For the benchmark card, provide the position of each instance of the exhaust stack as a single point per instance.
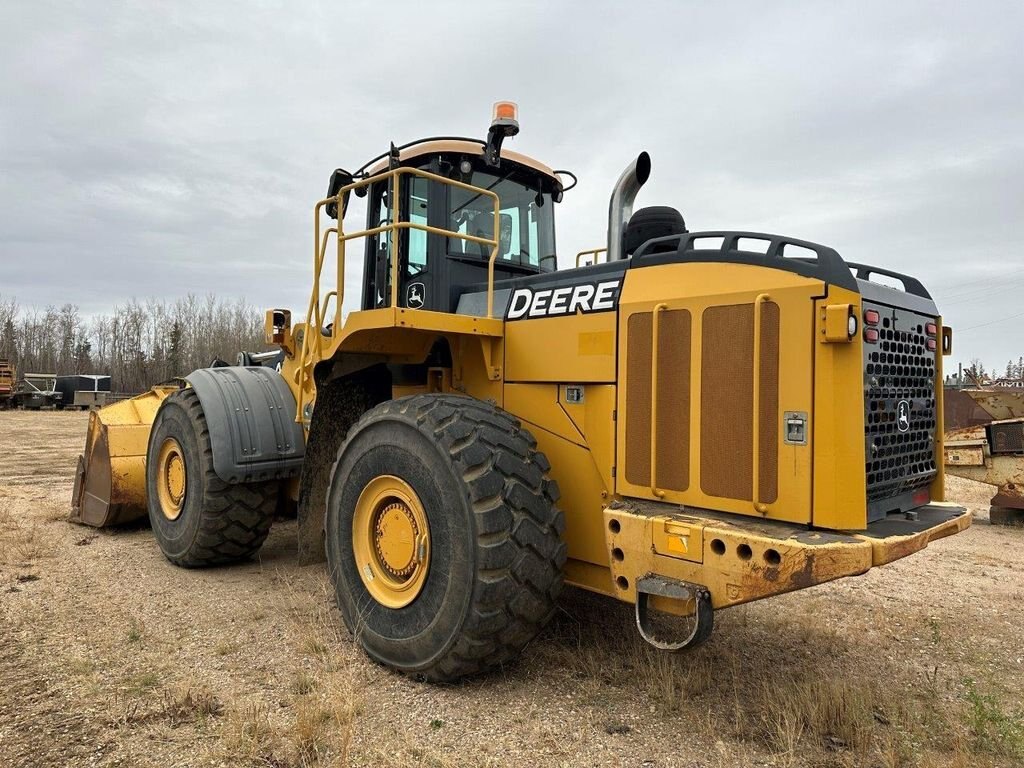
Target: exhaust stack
(620, 207)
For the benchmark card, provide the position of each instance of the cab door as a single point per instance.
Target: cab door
(416, 279)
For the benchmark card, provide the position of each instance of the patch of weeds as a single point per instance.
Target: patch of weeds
(250, 737)
(225, 648)
(933, 625)
(135, 631)
(30, 545)
(996, 730)
(143, 683)
(436, 725)
(316, 646)
(190, 706)
(303, 684)
(177, 708)
(82, 667)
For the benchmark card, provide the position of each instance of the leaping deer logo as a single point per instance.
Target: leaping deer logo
(903, 416)
(414, 298)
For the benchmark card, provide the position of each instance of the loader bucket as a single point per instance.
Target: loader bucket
(110, 483)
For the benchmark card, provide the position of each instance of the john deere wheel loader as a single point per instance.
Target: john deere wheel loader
(700, 420)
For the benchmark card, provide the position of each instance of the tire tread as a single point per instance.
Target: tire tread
(520, 551)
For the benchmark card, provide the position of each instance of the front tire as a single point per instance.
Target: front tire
(198, 519)
(443, 537)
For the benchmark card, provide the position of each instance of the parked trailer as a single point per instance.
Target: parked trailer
(83, 391)
(993, 453)
(35, 391)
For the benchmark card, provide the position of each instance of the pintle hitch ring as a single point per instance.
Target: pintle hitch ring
(703, 615)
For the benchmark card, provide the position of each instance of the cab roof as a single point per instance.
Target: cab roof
(462, 147)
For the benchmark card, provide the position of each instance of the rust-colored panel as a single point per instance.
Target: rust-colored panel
(673, 455)
(638, 398)
(726, 406)
(768, 419)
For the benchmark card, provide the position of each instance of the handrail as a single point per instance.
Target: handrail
(312, 351)
(593, 252)
(326, 304)
(655, 331)
(760, 507)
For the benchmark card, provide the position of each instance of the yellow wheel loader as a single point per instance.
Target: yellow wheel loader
(699, 420)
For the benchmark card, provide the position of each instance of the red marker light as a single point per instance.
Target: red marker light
(870, 335)
(922, 497)
(931, 329)
(931, 345)
(871, 317)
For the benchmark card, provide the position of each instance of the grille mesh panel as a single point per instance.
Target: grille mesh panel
(899, 374)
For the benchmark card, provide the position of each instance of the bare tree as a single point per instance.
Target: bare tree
(138, 344)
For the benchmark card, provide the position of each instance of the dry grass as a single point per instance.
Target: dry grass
(315, 726)
(23, 543)
(823, 710)
(186, 705)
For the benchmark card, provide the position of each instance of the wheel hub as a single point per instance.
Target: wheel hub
(171, 478)
(391, 541)
(395, 539)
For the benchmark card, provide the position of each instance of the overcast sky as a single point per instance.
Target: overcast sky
(158, 149)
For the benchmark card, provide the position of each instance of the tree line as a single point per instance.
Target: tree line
(976, 374)
(139, 344)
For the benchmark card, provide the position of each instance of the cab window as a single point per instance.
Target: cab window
(526, 220)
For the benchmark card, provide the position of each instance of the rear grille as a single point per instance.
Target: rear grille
(899, 423)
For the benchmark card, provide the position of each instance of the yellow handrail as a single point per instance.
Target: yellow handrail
(326, 304)
(312, 352)
(756, 490)
(595, 252)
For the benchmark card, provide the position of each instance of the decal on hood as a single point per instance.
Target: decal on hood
(583, 298)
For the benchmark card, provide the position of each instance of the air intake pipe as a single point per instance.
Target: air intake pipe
(620, 207)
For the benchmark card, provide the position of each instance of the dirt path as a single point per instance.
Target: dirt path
(109, 656)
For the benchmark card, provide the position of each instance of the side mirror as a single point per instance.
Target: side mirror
(277, 330)
(340, 178)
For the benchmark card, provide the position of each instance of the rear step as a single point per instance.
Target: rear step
(703, 618)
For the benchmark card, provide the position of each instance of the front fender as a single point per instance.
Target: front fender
(250, 412)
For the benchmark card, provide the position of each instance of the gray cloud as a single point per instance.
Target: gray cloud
(150, 150)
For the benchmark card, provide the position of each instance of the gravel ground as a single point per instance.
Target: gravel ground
(110, 656)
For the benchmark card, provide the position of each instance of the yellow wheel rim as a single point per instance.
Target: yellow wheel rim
(391, 541)
(170, 478)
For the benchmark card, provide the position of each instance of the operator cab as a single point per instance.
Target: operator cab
(435, 268)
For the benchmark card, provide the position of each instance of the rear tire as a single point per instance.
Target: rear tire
(197, 518)
(495, 562)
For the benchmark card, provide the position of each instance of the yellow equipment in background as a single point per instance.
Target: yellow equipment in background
(699, 420)
(7, 379)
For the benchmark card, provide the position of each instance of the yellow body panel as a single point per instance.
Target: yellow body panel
(562, 349)
(696, 288)
(580, 454)
(840, 484)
